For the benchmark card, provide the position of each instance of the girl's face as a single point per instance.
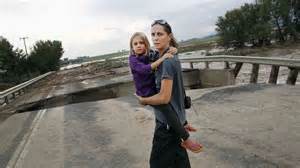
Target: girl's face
(138, 45)
(160, 37)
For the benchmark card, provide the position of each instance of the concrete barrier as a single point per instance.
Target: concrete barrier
(191, 78)
(216, 77)
(205, 78)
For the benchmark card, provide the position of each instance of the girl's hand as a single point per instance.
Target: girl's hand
(189, 128)
(167, 55)
(172, 50)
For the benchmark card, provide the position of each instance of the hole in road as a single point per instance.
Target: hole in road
(93, 94)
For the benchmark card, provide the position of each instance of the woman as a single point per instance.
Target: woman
(143, 61)
(168, 150)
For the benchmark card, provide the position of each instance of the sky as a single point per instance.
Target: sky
(94, 27)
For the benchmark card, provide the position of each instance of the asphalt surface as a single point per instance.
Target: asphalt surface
(243, 126)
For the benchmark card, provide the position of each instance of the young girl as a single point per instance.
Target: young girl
(142, 63)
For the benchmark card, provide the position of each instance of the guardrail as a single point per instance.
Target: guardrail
(292, 64)
(4, 95)
(276, 63)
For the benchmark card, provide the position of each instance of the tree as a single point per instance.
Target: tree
(11, 62)
(296, 8)
(247, 24)
(46, 55)
(260, 22)
(6, 54)
(257, 27)
(15, 67)
(231, 28)
(285, 17)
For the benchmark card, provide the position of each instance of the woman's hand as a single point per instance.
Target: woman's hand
(140, 99)
(189, 128)
(172, 50)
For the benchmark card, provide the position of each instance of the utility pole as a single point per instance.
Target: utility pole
(24, 38)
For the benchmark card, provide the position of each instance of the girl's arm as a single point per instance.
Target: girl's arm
(155, 64)
(169, 54)
(172, 50)
(139, 67)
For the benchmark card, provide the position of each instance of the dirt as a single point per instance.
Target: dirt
(291, 51)
(42, 88)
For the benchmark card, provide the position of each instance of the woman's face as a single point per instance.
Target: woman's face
(138, 45)
(160, 37)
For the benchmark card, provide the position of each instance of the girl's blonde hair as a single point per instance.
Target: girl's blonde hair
(144, 38)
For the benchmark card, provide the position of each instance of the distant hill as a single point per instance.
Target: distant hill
(203, 43)
(184, 46)
(199, 41)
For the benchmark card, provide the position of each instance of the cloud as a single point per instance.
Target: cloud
(93, 27)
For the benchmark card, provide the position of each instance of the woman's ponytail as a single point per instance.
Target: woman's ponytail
(173, 41)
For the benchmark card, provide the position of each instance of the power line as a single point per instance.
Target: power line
(24, 38)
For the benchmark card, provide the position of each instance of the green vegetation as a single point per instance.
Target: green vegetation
(11, 62)
(17, 67)
(204, 43)
(45, 56)
(259, 23)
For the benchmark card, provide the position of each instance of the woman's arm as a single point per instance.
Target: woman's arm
(163, 97)
(162, 100)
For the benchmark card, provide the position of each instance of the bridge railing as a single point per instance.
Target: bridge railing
(11, 93)
(276, 63)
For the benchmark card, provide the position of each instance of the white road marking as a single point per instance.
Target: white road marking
(22, 148)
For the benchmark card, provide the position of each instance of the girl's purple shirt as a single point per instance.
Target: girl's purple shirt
(143, 76)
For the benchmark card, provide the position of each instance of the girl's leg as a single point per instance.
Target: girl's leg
(181, 158)
(173, 121)
(160, 156)
(166, 150)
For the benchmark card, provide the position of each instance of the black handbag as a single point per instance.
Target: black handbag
(187, 99)
(187, 102)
